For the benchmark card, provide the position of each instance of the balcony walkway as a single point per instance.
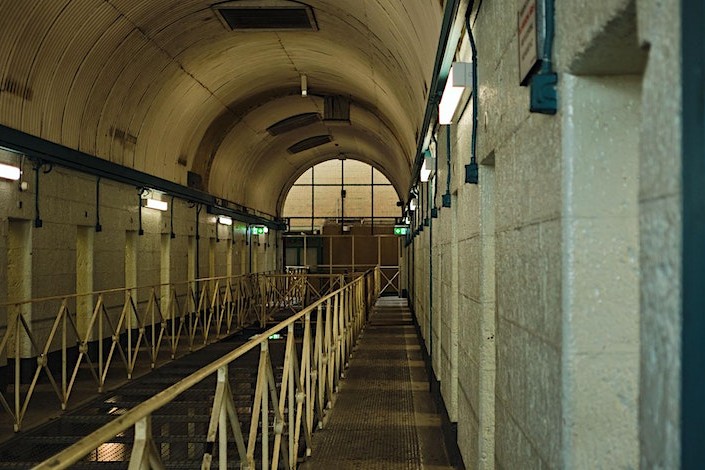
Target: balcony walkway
(384, 416)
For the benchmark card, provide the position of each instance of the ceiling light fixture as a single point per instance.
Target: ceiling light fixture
(9, 172)
(155, 204)
(459, 78)
(304, 85)
(426, 169)
(223, 220)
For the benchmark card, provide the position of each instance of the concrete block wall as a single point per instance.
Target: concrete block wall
(660, 233)
(567, 266)
(67, 202)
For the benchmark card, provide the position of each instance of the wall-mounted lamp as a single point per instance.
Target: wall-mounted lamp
(9, 172)
(413, 204)
(304, 85)
(426, 169)
(459, 78)
(223, 220)
(150, 203)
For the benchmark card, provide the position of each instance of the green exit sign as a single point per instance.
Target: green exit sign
(401, 230)
(259, 230)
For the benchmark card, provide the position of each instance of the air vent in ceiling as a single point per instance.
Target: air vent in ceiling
(267, 15)
(294, 122)
(336, 108)
(310, 143)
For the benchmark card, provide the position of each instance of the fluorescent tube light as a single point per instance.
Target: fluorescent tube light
(223, 220)
(426, 169)
(9, 172)
(459, 78)
(155, 204)
(425, 173)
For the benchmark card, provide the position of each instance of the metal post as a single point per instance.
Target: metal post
(223, 424)
(291, 398)
(265, 412)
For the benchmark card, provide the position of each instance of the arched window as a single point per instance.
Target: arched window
(341, 192)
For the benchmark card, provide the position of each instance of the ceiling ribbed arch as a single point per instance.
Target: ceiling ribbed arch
(249, 155)
(164, 87)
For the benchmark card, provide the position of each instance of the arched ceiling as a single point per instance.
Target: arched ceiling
(164, 87)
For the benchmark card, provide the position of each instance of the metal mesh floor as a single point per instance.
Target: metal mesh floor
(381, 418)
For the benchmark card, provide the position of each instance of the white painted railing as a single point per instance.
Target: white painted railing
(90, 336)
(299, 403)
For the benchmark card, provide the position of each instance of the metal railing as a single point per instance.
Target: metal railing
(309, 382)
(113, 332)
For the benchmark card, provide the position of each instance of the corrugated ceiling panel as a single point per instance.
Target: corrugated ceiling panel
(88, 24)
(88, 82)
(17, 88)
(40, 76)
(103, 108)
(79, 72)
(141, 86)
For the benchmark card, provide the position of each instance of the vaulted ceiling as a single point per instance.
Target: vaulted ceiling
(168, 87)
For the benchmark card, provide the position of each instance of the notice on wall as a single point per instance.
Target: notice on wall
(528, 40)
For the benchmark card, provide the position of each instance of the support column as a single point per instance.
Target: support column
(131, 261)
(229, 258)
(19, 279)
(192, 260)
(165, 272)
(488, 353)
(211, 256)
(85, 236)
(600, 291)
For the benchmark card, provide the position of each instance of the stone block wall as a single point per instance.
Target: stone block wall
(566, 251)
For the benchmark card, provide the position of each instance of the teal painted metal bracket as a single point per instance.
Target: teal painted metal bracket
(544, 96)
(472, 172)
(446, 200)
(544, 92)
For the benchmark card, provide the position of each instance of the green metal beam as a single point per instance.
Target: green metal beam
(40, 149)
(693, 281)
(451, 30)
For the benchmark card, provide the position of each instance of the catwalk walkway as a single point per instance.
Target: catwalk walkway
(384, 417)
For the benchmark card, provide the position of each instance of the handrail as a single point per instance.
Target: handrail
(146, 324)
(123, 289)
(346, 311)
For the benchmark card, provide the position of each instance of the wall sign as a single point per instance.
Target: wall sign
(528, 39)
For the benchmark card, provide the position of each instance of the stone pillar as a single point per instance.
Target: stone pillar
(600, 292)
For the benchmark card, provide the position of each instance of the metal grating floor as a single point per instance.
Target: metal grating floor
(384, 416)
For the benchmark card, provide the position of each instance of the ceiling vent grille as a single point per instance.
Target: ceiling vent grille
(267, 16)
(294, 122)
(336, 108)
(311, 142)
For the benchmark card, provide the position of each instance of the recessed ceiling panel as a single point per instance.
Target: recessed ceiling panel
(311, 142)
(268, 16)
(294, 122)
